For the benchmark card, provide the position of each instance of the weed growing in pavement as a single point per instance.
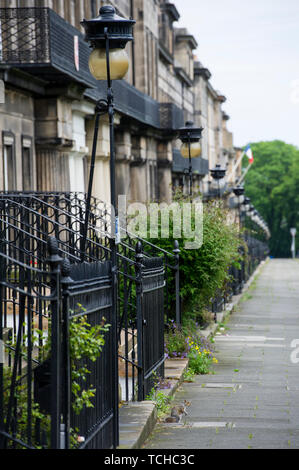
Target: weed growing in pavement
(161, 400)
(188, 375)
(200, 360)
(184, 343)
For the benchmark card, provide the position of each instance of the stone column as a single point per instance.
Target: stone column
(52, 165)
(123, 157)
(101, 180)
(53, 133)
(138, 171)
(78, 178)
(165, 171)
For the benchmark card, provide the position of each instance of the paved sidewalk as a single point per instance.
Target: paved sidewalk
(138, 419)
(252, 400)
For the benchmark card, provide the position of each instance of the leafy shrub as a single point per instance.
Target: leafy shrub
(204, 271)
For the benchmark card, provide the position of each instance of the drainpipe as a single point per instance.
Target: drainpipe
(133, 45)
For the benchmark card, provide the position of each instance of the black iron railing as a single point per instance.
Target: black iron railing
(87, 292)
(171, 117)
(256, 252)
(215, 193)
(38, 305)
(42, 294)
(137, 316)
(147, 278)
(43, 44)
(28, 294)
(200, 165)
(24, 36)
(150, 320)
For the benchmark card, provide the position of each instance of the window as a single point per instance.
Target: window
(9, 177)
(27, 163)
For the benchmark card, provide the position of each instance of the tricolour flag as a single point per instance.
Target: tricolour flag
(248, 153)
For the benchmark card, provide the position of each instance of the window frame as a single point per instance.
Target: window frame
(26, 141)
(8, 140)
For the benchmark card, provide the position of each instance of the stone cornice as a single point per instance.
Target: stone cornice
(182, 74)
(181, 34)
(138, 161)
(171, 10)
(221, 98)
(165, 54)
(54, 142)
(201, 71)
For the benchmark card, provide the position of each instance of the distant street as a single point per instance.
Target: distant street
(252, 400)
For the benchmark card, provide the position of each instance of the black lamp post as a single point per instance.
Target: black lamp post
(218, 173)
(108, 35)
(190, 137)
(246, 206)
(239, 191)
(246, 203)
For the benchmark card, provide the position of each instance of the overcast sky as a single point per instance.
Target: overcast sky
(251, 47)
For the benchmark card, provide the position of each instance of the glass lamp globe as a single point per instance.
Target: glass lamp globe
(190, 135)
(195, 150)
(111, 31)
(118, 60)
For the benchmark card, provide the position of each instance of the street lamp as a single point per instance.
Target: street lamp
(246, 203)
(293, 233)
(107, 35)
(239, 191)
(245, 206)
(217, 174)
(190, 137)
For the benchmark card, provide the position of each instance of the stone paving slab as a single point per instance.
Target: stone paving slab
(263, 413)
(136, 427)
(137, 419)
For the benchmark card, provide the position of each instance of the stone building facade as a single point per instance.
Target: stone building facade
(47, 119)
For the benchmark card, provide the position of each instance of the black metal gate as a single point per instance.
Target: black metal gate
(37, 311)
(151, 330)
(39, 305)
(143, 306)
(87, 292)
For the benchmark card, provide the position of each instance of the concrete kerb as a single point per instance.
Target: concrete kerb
(138, 419)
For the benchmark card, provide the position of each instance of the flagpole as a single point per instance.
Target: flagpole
(236, 166)
(245, 173)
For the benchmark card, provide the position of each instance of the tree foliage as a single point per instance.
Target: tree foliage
(272, 185)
